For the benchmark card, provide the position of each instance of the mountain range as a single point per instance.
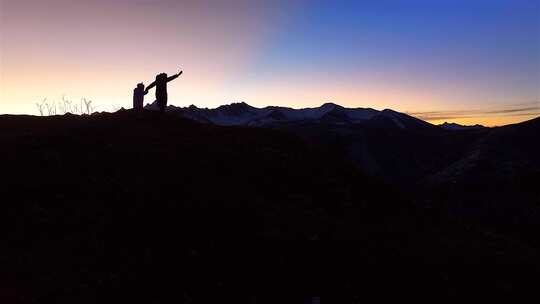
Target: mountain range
(457, 127)
(458, 165)
(390, 145)
(395, 147)
(242, 114)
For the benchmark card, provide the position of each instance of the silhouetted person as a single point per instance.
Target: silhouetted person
(161, 89)
(138, 97)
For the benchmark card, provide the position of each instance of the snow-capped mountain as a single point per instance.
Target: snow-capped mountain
(329, 113)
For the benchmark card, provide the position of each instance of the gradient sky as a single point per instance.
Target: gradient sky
(466, 61)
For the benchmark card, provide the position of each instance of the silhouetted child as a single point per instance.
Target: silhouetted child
(161, 89)
(138, 97)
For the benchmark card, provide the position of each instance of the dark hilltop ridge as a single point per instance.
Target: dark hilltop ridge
(457, 127)
(157, 208)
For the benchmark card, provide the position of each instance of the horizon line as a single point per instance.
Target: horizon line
(428, 116)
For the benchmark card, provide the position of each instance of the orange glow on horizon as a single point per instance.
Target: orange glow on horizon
(486, 121)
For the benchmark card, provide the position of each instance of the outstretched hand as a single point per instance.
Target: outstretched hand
(180, 73)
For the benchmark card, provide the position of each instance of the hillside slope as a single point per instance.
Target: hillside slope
(494, 183)
(154, 209)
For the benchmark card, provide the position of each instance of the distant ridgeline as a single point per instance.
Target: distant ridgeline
(329, 113)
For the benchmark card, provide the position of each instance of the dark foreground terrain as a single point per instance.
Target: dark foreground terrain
(136, 207)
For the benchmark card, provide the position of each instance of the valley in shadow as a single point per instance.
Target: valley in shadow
(154, 208)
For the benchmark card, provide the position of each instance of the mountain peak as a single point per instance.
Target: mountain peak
(329, 105)
(455, 126)
(236, 108)
(389, 111)
(238, 105)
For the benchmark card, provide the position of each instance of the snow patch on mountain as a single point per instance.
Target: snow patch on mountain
(238, 114)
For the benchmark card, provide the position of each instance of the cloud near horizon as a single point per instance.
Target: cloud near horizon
(528, 109)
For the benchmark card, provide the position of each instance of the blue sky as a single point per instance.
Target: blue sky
(488, 49)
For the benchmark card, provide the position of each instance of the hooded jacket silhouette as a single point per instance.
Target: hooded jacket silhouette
(161, 89)
(138, 97)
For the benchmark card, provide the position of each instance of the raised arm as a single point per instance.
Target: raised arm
(173, 77)
(153, 84)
